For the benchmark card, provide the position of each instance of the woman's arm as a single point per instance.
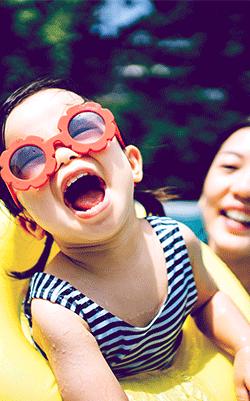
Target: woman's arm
(219, 318)
(222, 321)
(80, 369)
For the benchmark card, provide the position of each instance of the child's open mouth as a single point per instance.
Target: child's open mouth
(84, 192)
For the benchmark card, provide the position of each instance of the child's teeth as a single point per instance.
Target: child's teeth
(75, 179)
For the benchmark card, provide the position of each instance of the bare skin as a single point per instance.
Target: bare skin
(111, 256)
(225, 202)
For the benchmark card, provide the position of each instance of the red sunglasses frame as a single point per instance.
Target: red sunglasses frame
(48, 147)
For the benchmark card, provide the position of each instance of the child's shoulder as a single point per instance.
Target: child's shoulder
(163, 221)
(172, 231)
(170, 226)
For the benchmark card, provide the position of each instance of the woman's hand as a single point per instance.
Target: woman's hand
(242, 373)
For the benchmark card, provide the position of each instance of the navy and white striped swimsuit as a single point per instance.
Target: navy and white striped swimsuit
(127, 349)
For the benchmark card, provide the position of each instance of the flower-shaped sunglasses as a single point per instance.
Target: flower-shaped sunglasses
(29, 162)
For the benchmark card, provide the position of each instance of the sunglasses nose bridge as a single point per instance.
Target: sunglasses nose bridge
(59, 141)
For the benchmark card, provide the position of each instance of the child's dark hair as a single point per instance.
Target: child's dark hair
(149, 199)
(12, 101)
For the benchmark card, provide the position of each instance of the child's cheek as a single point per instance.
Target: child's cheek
(35, 200)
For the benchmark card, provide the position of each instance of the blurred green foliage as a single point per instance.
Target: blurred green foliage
(175, 76)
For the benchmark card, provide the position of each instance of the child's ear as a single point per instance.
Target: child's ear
(135, 159)
(30, 226)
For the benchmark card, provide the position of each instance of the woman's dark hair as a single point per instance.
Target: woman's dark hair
(151, 200)
(221, 138)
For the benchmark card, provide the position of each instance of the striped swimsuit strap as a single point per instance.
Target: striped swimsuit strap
(129, 349)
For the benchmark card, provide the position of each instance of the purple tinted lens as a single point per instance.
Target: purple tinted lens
(86, 127)
(27, 162)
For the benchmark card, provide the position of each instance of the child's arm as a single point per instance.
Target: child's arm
(219, 318)
(76, 360)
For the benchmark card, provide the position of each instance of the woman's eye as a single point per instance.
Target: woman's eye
(231, 167)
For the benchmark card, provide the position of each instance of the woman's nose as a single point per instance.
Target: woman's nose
(65, 155)
(241, 187)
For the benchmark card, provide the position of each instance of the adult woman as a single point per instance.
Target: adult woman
(66, 179)
(225, 201)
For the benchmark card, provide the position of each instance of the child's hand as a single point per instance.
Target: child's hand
(242, 373)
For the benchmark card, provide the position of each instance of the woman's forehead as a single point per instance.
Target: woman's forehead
(239, 139)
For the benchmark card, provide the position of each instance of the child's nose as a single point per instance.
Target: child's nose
(65, 155)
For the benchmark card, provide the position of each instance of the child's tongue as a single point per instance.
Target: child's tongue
(89, 199)
(85, 193)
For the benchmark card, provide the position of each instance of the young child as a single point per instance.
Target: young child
(113, 301)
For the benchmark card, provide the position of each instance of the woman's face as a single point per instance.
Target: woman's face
(225, 200)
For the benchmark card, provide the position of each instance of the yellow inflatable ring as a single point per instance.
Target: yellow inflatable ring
(200, 370)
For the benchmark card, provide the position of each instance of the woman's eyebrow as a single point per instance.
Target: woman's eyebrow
(230, 152)
(233, 153)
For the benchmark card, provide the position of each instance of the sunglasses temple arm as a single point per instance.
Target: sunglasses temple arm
(118, 136)
(13, 194)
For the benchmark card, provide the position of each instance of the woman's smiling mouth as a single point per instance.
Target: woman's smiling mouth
(237, 216)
